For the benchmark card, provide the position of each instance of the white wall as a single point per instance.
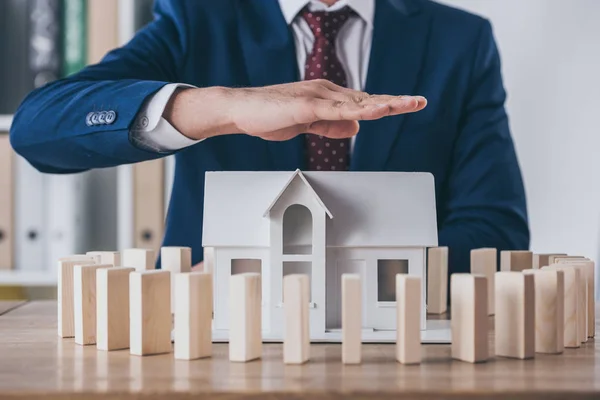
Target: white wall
(550, 51)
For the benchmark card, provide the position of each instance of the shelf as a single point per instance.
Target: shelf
(27, 278)
(5, 121)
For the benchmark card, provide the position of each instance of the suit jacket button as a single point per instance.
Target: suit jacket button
(88, 119)
(111, 117)
(102, 118)
(95, 119)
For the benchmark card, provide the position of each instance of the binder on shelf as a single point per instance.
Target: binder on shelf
(148, 204)
(66, 217)
(45, 50)
(14, 46)
(30, 232)
(74, 35)
(6, 202)
(103, 28)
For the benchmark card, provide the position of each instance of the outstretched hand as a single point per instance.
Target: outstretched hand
(281, 112)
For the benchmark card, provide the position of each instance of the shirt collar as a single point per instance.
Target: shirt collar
(364, 8)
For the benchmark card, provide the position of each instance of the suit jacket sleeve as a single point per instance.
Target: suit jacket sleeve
(49, 128)
(486, 206)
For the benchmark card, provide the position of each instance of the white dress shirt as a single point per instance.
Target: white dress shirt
(152, 132)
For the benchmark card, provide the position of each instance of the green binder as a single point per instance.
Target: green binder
(74, 36)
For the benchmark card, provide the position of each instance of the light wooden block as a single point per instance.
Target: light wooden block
(408, 308)
(209, 259)
(245, 337)
(65, 296)
(112, 308)
(571, 304)
(552, 259)
(469, 319)
(296, 339)
(516, 260)
(107, 257)
(140, 259)
(150, 312)
(176, 260)
(582, 299)
(351, 319)
(549, 310)
(590, 277)
(485, 262)
(515, 315)
(543, 260)
(193, 315)
(84, 301)
(437, 280)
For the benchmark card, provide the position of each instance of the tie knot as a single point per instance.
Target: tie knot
(326, 24)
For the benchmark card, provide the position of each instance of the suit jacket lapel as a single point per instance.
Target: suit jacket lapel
(400, 36)
(270, 57)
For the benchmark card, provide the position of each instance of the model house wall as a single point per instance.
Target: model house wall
(322, 224)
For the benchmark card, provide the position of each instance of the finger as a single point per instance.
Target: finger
(334, 129)
(341, 93)
(399, 104)
(329, 110)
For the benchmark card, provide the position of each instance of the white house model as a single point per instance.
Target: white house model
(323, 224)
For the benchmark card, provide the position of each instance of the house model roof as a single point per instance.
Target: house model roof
(365, 209)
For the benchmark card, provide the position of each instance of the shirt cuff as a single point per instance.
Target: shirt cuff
(150, 131)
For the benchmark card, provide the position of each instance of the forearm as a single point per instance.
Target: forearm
(200, 113)
(51, 129)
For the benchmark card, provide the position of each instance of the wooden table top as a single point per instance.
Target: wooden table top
(35, 362)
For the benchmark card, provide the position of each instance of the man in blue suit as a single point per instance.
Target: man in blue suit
(197, 82)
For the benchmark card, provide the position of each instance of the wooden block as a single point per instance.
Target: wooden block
(150, 312)
(140, 259)
(84, 300)
(582, 299)
(65, 296)
(516, 260)
(437, 280)
(571, 304)
(176, 260)
(351, 319)
(296, 339)
(582, 318)
(485, 262)
(209, 259)
(245, 336)
(543, 260)
(552, 258)
(515, 315)
(193, 315)
(107, 257)
(590, 277)
(408, 307)
(112, 308)
(469, 320)
(549, 310)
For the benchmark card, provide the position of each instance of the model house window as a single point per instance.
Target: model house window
(297, 230)
(299, 267)
(386, 278)
(241, 266)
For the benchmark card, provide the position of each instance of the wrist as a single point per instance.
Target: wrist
(200, 113)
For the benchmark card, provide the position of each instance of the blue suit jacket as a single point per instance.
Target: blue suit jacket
(419, 47)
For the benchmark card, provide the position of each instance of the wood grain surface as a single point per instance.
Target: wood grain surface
(35, 363)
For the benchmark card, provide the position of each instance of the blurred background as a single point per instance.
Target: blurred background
(550, 51)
